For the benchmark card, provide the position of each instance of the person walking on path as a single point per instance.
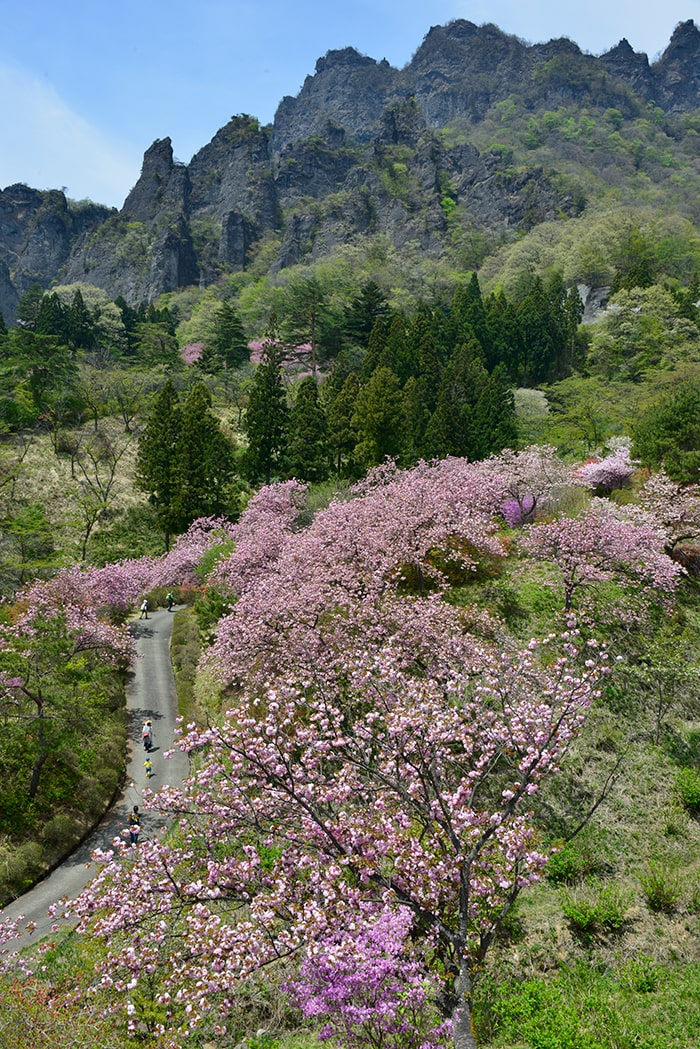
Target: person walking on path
(144, 609)
(171, 601)
(134, 827)
(148, 765)
(147, 736)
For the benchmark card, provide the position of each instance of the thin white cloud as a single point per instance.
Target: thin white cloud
(49, 146)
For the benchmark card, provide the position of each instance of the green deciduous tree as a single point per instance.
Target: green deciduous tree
(56, 690)
(668, 435)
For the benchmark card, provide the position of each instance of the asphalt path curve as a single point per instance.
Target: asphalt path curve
(150, 694)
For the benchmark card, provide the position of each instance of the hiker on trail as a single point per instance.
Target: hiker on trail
(171, 601)
(134, 828)
(149, 768)
(144, 609)
(147, 735)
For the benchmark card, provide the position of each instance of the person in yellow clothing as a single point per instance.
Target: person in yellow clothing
(148, 765)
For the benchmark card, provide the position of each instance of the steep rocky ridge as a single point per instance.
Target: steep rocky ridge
(38, 232)
(361, 151)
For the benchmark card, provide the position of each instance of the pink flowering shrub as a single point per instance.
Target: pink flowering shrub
(369, 989)
(609, 474)
(531, 480)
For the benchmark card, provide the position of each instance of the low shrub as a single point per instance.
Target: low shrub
(59, 831)
(688, 789)
(596, 910)
(641, 974)
(662, 888)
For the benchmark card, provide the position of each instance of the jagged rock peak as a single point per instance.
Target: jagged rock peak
(684, 43)
(679, 67)
(346, 56)
(162, 181)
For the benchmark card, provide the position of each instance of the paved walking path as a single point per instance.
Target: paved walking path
(150, 694)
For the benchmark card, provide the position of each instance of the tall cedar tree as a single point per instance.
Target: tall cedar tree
(305, 310)
(309, 451)
(362, 312)
(229, 347)
(205, 465)
(379, 419)
(342, 434)
(157, 469)
(473, 409)
(470, 318)
(267, 418)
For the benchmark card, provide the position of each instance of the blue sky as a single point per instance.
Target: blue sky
(86, 86)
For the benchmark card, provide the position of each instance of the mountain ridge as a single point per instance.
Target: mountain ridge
(363, 150)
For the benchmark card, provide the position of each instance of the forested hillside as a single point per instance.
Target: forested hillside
(401, 398)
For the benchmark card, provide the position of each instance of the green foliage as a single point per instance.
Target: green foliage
(267, 419)
(687, 787)
(662, 887)
(668, 434)
(578, 859)
(308, 453)
(157, 466)
(596, 909)
(185, 649)
(133, 531)
(641, 1003)
(204, 470)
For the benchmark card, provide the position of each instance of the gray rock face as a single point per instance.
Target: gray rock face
(360, 151)
(37, 232)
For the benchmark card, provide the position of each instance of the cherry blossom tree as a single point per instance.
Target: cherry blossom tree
(675, 508)
(376, 757)
(531, 479)
(320, 797)
(602, 545)
(610, 473)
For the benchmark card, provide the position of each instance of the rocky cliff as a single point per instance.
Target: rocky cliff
(363, 150)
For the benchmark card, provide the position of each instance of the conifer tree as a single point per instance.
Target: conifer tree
(309, 451)
(157, 467)
(80, 322)
(364, 310)
(267, 418)
(342, 434)
(461, 423)
(229, 347)
(379, 419)
(205, 462)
